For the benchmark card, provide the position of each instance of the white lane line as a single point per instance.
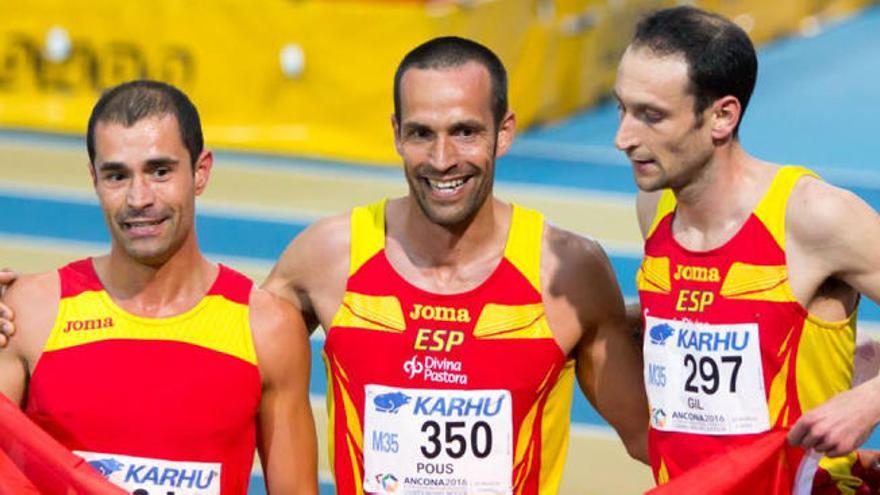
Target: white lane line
(592, 154)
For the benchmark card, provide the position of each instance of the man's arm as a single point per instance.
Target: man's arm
(286, 440)
(34, 300)
(13, 373)
(7, 317)
(839, 233)
(312, 271)
(584, 291)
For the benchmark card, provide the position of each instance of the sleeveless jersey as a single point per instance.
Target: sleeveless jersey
(730, 354)
(453, 394)
(158, 406)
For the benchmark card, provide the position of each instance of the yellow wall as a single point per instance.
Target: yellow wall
(561, 56)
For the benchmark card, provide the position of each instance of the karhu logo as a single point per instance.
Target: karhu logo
(106, 466)
(91, 324)
(439, 313)
(659, 333)
(390, 402)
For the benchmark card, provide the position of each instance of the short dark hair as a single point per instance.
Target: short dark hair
(720, 56)
(449, 52)
(133, 101)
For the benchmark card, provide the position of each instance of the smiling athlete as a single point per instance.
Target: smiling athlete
(159, 367)
(457, 323)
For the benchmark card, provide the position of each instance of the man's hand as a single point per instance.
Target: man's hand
(7, 328)
(842, 424)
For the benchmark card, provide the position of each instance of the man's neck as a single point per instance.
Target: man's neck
(714, 205)
(447, 255)
(167, 289)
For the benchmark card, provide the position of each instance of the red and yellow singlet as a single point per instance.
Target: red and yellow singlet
(730, 354)
(429, 393)
(158, 406)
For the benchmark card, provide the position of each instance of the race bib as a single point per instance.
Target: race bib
(437, 441)
(704, 378)
(143, 476)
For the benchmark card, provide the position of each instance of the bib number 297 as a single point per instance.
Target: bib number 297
(705, 373)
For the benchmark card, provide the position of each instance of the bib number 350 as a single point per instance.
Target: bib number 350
(455, 439)
(704, 374)
(437, 441)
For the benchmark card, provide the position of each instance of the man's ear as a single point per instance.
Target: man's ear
(202, 170)
(724, 117)
(506, 133)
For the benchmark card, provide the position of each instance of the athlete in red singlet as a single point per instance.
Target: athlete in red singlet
(481, 366)
(457, 322)
(163, 370)
(730, 354)
(751, 275)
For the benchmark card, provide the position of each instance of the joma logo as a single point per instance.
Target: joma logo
(92, 324)
(439, 313)
(697, 273)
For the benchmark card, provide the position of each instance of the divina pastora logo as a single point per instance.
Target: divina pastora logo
(391, 402)
(659, 333)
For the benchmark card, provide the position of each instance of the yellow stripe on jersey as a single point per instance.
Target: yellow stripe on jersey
(554, 429)
(355, 475)
(662, 473)
(825, 360)
(778, 396)
(524, 438)
(92, 316)
(771, 209)
(784, 347)
(526, 442)
(382, 313)
(653, 276)
(523, 241)
(524, 468)
(665, 206)
(331, 410)
(527, 321)
(352, 420)
(353, 431)
(757, 282)
(840, 469)
(367, 234)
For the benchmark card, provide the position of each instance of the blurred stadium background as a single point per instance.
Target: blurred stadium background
(296, 95)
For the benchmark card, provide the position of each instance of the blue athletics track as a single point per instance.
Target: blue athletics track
(815, 105)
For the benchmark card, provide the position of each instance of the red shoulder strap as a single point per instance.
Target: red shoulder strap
(232, 285)
(78, 277)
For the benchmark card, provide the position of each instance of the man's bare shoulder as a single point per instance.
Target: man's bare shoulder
(325, 239)
(579, 288)
(277, 329)
(575, 266)
(565, 248)
(34, 300)
(42, 285)
(819, 213)
(317, 249)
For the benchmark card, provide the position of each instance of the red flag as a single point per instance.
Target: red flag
(12, 480)
(764, 467)
(31, 461)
